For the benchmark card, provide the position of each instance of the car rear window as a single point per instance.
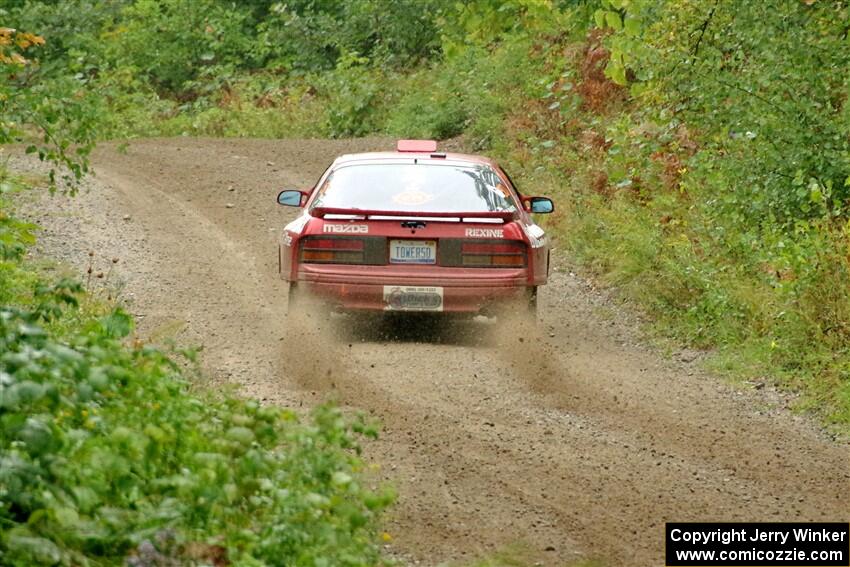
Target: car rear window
(415, 187)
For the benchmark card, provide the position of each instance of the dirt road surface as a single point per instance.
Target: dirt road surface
(576, 442)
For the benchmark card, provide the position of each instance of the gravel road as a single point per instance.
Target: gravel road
(574, 441)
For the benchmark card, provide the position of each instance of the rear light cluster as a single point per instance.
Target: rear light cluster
(477, 254)
(333, 250)
(482, 253)
(344, 250)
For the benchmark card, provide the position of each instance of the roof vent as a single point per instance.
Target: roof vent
(419, 146)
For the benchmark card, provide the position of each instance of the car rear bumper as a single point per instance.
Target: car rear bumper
(463, 290)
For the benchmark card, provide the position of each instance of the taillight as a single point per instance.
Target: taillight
(333, 250)
(492, 254)
(366, 250)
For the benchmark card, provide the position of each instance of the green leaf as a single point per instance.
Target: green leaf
(632, 26)
(37, 549)
(155, 433)
(599, 18)
(241, 435)
(340, 478)
(616, 72)
(66, 517)
(118, 324)
(613, 20)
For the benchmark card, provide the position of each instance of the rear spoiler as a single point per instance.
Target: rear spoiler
(321, 212)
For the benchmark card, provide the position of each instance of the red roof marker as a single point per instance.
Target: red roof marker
(423, 146)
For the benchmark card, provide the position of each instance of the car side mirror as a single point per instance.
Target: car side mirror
(540, 205)
(291, 198)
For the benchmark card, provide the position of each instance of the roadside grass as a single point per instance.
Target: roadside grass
(108, 455)
(754, 324)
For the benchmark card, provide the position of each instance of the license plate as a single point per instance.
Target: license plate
(413, 252)
(413, 298)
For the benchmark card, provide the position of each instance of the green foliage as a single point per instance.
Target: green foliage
(52, 114)
(351, 92)
(106, 457)
(471, 93)
(309, 35)
(739, 143)
(485, 22)
(172, 43)
(15, 235)
(180, 67)
(428, 112)
(763, 82)
(71, 29)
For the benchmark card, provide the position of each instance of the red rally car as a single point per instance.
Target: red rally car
(415, 230)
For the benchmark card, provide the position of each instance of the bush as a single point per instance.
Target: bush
(763, 82)
(306, 36)
(428, 108)
(107, 456)
(104, 449)
(352, 98)
(51, 114)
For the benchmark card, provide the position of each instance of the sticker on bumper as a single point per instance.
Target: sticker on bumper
(413, 298)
